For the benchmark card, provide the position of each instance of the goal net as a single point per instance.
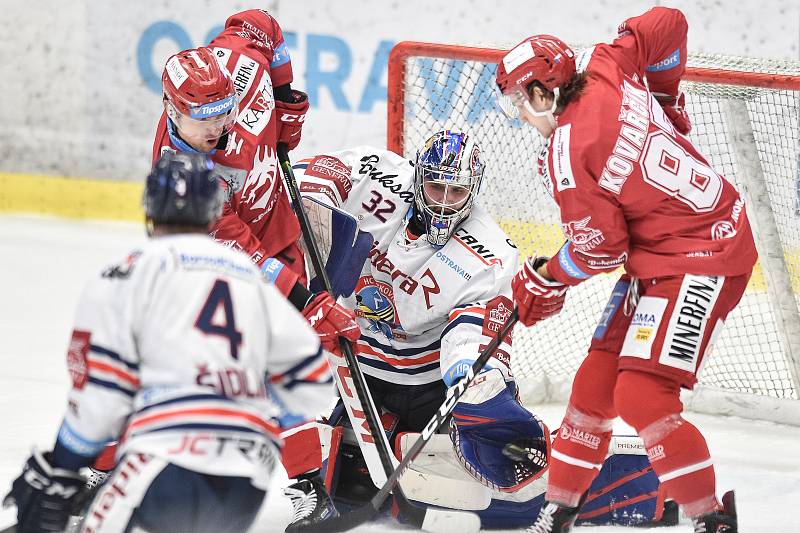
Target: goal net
(745, 115)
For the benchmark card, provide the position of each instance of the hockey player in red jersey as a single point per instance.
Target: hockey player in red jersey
(233, 101)
(633, 191)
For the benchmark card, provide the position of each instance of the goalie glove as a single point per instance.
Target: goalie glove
(291, 116)
(331, 321)
(44, 495)
(536, 298)
(499, 442)
(674, 108)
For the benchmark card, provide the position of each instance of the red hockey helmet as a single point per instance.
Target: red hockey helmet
(199, 91)
(541, 58)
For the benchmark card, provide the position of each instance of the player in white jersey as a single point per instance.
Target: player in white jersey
(185, 355)
(432, 294)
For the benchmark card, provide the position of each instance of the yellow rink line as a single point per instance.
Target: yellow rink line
(71, 197)
(121, 200)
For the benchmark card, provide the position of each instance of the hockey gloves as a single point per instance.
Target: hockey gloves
(536, 298)
(331, 321)
(291, 116)
(44, 495)
(499, 442)
(673, 107)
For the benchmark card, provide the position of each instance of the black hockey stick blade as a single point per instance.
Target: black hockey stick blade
(418, 516)
(435, 519)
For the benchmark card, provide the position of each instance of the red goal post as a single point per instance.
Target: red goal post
(746, 117)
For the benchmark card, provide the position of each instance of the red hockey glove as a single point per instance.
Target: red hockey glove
(291, 116)
(331, 321)
(536, 298)
(673, 107)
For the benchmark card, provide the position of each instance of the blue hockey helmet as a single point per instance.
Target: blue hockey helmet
(448, 173)
(182, 190)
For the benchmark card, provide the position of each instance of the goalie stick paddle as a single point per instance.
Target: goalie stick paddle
(419, 517)
(368, 511)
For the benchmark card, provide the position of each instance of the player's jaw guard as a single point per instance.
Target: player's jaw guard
(181, 190)
(448, 174)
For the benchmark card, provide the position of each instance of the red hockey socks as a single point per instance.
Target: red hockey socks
(582, 442)
(677, 451)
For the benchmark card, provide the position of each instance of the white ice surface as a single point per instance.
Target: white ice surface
(44, 263)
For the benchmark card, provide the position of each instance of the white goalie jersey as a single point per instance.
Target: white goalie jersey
(183, 352)
(425, 312)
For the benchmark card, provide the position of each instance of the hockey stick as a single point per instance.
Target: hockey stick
(420, 517)
(368, 511)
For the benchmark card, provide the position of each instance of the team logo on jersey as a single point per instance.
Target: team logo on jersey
(258, 189)
(124, 269)
(77, 358)
(722, 230)
(375, 302)
(582, 237)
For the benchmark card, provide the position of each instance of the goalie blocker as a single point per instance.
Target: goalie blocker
(625, 493)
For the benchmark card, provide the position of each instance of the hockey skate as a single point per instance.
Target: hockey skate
(310, 502)
(554, 518)
(720, 521)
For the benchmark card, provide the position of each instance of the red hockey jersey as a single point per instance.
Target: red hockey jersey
(258, 217)
(631, 189)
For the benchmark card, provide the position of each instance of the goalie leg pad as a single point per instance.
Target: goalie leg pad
(312, 446)
(498, 441)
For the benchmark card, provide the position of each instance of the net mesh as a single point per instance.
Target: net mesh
(748, 357)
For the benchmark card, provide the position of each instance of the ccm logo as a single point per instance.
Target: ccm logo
(289, 117)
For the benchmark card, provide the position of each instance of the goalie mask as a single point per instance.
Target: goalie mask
(448, 172)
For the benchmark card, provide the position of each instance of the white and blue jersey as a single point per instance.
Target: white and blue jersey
(182, 351)
(425, 312)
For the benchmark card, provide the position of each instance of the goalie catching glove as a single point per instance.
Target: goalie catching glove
(291, 116)
(331, 321)
(499, 442)
(44, 495)
(536, 298)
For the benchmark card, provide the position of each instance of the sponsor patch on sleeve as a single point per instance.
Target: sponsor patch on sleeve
(332, 169)
(497, 312)
(671, 61)
(77, 358)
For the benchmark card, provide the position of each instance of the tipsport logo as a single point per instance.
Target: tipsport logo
(213, 108)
